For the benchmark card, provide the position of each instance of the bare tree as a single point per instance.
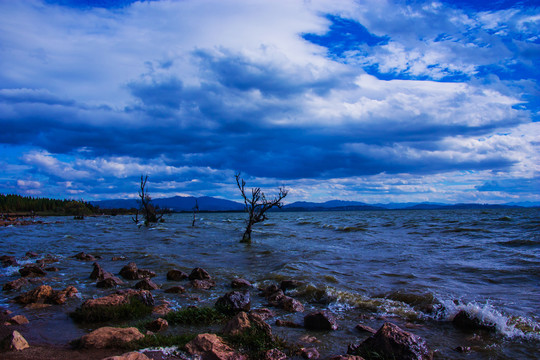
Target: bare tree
(195, 211)
(150, 213)
(257, 205)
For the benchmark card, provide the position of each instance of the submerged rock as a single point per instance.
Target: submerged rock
(7, 260)
(32, 270)
(320, 320)
(132, 272)
(176, 275)
(391, 341)
(290, 284)
(107, 337)
(176, 290)
(15, 284)
(240, 283)
(467, 322)
(84, 256)
(109, 282)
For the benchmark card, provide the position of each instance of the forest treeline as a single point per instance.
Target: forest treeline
(10, 204)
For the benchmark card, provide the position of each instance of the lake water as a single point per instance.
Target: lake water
(414, 268)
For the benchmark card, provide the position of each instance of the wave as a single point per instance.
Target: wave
(520, 243)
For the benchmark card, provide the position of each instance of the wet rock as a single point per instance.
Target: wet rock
(14, 342)
(36, 306)
(146, 284)
(52, 269)
(157, 325)
(269, 290)
(308, 339)
(107, 337)
(161, 310)
(292, 305)
(290, 284)
(32, 270)
(145, 273)
(464, 321)
(109, 282)
(275, 354)
(176, 275)
(49, 259)
(176, 290)
(134, 355)
(275, 298)
(15, 284)
(203, 284)
(211, 346)
(84, 256)
(234, 302)
(463, 349)
(7, 260)
(199, 274)
(309, 353)
(320, 320)
(120, 298)
(279, 299)
(263, 313)
(240, 283)
(38, 295)
(98, 273)
(31, 254)
(347, 357)
(365, 328)
(19, 320)
(60, 297)
(287, 323)
(130, 271)
(393, 342)
(238, 324)
(118, 258)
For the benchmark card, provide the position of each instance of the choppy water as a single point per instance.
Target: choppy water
(414, 268)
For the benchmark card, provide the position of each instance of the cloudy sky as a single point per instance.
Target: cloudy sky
(367, 100)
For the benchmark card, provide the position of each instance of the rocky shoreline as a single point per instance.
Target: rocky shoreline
(233, 329)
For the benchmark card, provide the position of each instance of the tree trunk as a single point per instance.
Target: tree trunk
(247, 235)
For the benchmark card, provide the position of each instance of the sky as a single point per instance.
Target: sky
(371, 100)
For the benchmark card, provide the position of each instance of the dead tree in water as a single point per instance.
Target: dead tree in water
(149, 212)
(257, 205)
(195, 211)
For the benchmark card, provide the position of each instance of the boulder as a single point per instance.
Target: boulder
(146, 284)
(234, 302)
(464, 321)
(107, 337)
(32, 270)
(109, 282)
(240, 283)
(212, 347)
(157, 325)
(275, 354)
(14, 342)
(176, 275)
(98, 273)
(19, 320)
(176, 290)
(393, 342)
(60, 297)
(309, 353)
(161, 310)
(84, 256)
(238, 324)
(292, 305)
(203, 284)
(130, 271)
(38, 295)
(15, 284)
(320, 320)
(199, 274)
(120, 298)
(134, 355)
(7, 260)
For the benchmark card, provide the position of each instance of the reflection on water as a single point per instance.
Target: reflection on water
(416, 267)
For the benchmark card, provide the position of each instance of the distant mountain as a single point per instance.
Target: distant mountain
(176, 203)
(330, 205)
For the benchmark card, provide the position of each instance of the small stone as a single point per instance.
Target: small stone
(130, 271)
(263, 313)
(211, 346)
(15, 284)
(240, 283)
(467, 322)
(15, 342)
(309, 353)
(7, 260)
(365, 328)
(146, 284)
(157, 325)
(320, 320)
(32, 271)
(176, 275)
(52, 269)
(203, 284)
(176, 290)
(286, 323)
(109, 282)
(290, 284)
(84, 256)
(309, 339)
(19, 320)
(118, 258)
(162, 309)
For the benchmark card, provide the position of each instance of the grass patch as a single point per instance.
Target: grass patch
(132, 310)
(160, 340)
(195, 316)
(255, 342)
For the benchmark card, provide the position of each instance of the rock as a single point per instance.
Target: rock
(463, 349)
(199, 274)
(238, 324)
(308, 339)
(176, 275)
(145, 273)
(130, 271)
(98, 273)
(203, 284)
(146, 284)
(38, 295)
(60, 297)
(109, 282)
(157, 325)
(290, 284)
(162, 310)
(347, 357)
(212, 347)
(275, 354)
(289, 304)
(120, 298)
(393, 342)
(118, 258)
(18, 320)
(32, 270)
(107, 336)
(14, 342)
(176, 290)
(263, 313)
(52, 269)
(269, 290)
(84, 256)
(15, 284)
(234, 302)
(240, 283)
(287, 323)
(320, 320)
(36, 306)
(7, 260)
(464, 321)
(31, 254)
(365, 328)
(134, 355)
(309, 353)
